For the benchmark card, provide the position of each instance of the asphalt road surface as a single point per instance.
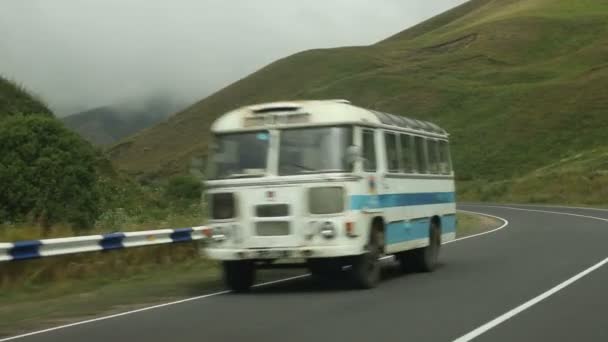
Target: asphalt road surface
(543, 277)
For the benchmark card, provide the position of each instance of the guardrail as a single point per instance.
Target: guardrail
(34, 249)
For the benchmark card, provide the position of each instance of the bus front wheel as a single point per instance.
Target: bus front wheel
(239, 275)
(366, 267)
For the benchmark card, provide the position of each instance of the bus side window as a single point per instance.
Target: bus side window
(369, 151)
(444, 157)
(433, 153)
(407, 154)
(392, 154)
(421, 161)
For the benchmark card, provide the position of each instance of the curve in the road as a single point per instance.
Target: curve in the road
(97, 319)
(519, 309)
(484, 280)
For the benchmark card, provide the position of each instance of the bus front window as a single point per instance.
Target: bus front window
(314, 150)
(239, 155)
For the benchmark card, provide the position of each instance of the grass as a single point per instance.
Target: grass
(69, 288)
(134, 218)
(470, 224)
(579, 179)
(36, 275)
(79, 299)
(519, 84)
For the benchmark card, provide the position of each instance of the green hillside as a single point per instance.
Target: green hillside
(520, 84)
(14, 99)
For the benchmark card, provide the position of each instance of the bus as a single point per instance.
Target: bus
(329, 186)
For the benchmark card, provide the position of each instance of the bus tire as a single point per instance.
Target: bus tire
(423, 259)
(239, 275)
(366, 267)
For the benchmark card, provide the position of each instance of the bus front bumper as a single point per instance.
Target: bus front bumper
(283, 253)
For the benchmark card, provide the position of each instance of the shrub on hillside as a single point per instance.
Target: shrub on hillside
(184, 188)
(47, 173)
(15, 100)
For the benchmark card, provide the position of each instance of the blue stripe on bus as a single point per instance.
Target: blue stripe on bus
(402, 231)
(448, 224)
(358, 202)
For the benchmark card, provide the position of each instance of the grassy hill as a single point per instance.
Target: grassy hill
(520, 84)
(14, 99)
(106, 125)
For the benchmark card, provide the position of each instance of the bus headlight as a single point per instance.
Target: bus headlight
(326, 200)
(221, 233)
(328, 230)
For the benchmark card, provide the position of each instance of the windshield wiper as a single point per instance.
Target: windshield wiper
(301, 167)
(323, 171)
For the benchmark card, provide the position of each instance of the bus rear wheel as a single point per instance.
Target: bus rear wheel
(423, 259)
(239, 275)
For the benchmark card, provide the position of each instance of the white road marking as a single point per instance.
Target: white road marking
(143, 309)
(221, 292)
(500, 319)
(277, 281)
(509, 314)
(554, 206)
(548, 212)
(504, 224)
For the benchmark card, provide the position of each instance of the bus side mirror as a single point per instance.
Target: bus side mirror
(353, 153)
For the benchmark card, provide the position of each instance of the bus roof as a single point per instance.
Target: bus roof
(315, 112)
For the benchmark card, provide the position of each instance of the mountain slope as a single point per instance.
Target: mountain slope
(519, 84)
(106, 125)
(14, 99)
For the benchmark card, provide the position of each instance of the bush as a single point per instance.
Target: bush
(184, 188)
(47, 173)
(15, 99)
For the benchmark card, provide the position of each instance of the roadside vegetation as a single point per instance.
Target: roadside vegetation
(55, 184)
(580, 179)
(471, 224)
(16, 100)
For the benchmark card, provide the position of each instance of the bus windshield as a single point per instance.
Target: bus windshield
(239, 155)
(314, 150)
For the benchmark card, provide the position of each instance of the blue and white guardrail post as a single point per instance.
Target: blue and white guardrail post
(33, 249)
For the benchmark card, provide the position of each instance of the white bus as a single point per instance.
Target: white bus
(324, 185)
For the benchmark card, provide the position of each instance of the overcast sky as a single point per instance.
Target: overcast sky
(79, 54)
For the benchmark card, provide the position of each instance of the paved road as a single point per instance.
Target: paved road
(480, 279)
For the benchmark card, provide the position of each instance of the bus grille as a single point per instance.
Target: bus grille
(272, 228)
(272, 210)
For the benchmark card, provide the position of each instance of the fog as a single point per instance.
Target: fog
(80, 54)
